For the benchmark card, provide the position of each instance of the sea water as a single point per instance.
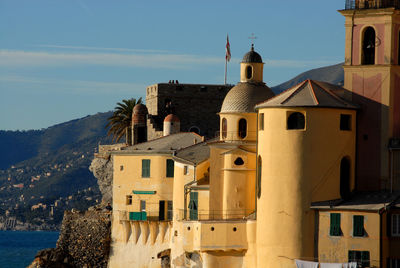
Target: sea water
(18, 248)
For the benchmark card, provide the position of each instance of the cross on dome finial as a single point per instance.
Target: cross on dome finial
(252, 38)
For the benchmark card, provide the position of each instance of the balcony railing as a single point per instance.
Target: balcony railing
(215, 215)
(372, 4)
(142, 216)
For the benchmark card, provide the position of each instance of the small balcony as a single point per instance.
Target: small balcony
(371, 4)
(215, 215)
(143, 216)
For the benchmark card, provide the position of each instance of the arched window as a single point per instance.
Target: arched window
(242, 128)
(259, 168)
(249, 72)
(296, 121)
(345, 172)
(224, 127)
(368, 46)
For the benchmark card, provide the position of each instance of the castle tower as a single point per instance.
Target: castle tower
(139, 120)
(372, 76)
(306, 153)
(172, 125)
(234, 156)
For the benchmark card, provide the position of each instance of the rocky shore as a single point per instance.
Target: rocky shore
(84, 241)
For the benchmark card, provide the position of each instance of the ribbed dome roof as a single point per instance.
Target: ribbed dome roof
(244, 96)
(252, 56)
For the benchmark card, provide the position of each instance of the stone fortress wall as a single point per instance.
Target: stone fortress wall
(196, 105)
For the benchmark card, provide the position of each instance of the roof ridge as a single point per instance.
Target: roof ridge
(331, 93)
(294, 92)
(279, 94)
(313, 91)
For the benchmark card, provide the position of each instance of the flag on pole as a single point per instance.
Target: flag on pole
(228, 49)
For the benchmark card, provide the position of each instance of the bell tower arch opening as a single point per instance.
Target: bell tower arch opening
(368, 46)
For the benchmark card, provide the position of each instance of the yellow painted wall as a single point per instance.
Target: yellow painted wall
(336, 248)
(233, 126)
(257, 72)
(130, 178)
(298, 167)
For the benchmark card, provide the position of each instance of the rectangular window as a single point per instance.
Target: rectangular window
(129, 200)
(261, 122)
(170, 168)
(169, 210)
(361, 257)
(142, 205)
(345, 122)
(358, 225)
(185, 170)
(145, 168)
(395, 225)
(335, 225)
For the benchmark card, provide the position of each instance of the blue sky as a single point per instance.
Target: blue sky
(65, 59)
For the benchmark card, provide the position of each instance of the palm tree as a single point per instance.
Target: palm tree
(120, 122)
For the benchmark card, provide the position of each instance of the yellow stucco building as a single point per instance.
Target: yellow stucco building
(309, 175)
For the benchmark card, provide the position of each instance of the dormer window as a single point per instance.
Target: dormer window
(249, 72)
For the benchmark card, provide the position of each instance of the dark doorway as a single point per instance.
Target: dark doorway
(345, 178)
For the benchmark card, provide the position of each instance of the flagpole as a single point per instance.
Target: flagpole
(226, 63)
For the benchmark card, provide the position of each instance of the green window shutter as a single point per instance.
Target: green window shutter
(170, 168)
(335, 224)
(358, 225)
(365, 259)
(145, 168)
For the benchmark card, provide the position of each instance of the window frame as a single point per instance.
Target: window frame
(224, 128)
(128, 200)
(291, 126)
(334, 229)
(392, 225)
(358, 226)
(169, 168)
(345, 122)
(146, 168)
(261, 122)
(240, 131)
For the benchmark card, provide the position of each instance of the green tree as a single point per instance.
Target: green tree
(120, 123)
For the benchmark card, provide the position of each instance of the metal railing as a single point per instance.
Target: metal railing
(371, 4)
(215, 215)
(150, 216)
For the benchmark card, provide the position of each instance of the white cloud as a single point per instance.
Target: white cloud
(115, 49)
(162, 61)
(74, 85)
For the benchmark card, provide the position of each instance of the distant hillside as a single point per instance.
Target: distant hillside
(17, 146)
(50, 166)
(332, 74)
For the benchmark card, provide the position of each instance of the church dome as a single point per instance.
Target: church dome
(244, 96)
(252, 56)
